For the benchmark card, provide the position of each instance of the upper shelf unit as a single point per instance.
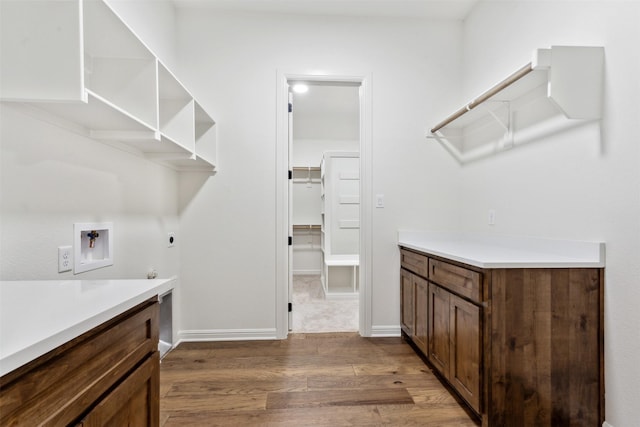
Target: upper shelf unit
(78, 60)
(560, 83)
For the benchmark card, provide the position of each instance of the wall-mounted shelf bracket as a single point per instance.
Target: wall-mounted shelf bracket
(564, 81)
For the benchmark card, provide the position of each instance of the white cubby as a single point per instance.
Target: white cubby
(206, 135)
(79, 61)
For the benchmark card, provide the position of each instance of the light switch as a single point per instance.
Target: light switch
(379, 200)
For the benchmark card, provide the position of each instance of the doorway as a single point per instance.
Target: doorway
(324, 157)
(358, 276)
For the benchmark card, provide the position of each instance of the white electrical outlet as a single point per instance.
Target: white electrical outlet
(171, 240)
(65, 259)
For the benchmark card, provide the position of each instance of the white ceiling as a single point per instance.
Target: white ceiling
(430, 9)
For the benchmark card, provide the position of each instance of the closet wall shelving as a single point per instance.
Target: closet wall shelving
(306, 174)
(561, 87)
(340, 214)
(77, 60)
(306, 220)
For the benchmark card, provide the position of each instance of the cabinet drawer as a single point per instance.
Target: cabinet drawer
(412, 261)
(131, 402)
(460, 280)
(58, 387)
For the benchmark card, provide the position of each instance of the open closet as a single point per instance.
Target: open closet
(325, 187)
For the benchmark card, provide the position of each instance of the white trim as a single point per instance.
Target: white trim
(282, 207)
(385, 331)
(606, 424)
(225, 335)
(366, 205)
(282, 263)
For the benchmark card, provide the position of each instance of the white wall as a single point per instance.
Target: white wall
(232, 60)
(582, 184)
(52, 177)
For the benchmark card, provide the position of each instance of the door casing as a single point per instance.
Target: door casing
(282, 195)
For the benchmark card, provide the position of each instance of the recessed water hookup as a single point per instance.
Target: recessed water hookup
(93, 246)
(93, 235)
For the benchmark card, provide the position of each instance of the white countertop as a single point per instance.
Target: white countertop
(38, 316)
(490, 251)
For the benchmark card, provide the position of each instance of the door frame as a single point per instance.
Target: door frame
(282, 195)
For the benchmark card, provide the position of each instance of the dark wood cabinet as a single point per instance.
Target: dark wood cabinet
(407, 302)
(521, 346)
(106, 376)
(465, 362)
(415, 299)
(421, 291)
(133, 402)
(438, 352)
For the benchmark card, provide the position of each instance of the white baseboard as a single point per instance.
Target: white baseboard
(606, 424)
(226, 335)
(385, 331)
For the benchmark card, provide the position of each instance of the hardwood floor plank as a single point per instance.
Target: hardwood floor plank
(421, 416)
(213, 402)
(294, 417)
(369, 381)
(313, 380)
(355, 397)
(235, 386)
(412, 367)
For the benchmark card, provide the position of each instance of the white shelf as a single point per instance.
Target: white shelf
(79, 61)
(560, 88)
(176, 110)
(205, 135)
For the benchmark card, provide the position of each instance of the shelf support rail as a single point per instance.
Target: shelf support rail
(485, 96)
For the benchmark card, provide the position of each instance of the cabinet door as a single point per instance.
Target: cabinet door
(134, 402)
(421, 317)
(464, 365)
(407, 307)
(438, 329)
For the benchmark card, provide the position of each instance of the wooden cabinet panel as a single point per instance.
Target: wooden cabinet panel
(134, 402)
(522, 346)
(460, 280)
(417, 263)
(407, 302)
(546, 360)
(465, 346)
(421, 288)
(438, 326)
(58, 387)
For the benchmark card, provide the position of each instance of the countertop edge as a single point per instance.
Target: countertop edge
(21, 357)
(588, 254)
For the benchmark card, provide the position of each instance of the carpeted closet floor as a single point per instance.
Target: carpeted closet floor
(313, 313)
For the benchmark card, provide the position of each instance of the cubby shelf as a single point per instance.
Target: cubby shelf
(77, 60)
(561, 87)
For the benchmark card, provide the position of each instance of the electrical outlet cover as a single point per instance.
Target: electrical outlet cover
(65, 259)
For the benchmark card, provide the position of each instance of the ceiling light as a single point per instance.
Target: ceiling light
(300, 88)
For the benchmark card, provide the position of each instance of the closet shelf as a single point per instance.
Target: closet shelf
(309, 227)
(306, 168)
(569, 79)
(79, 62)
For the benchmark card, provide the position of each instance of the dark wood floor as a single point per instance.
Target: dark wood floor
(306, 380)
